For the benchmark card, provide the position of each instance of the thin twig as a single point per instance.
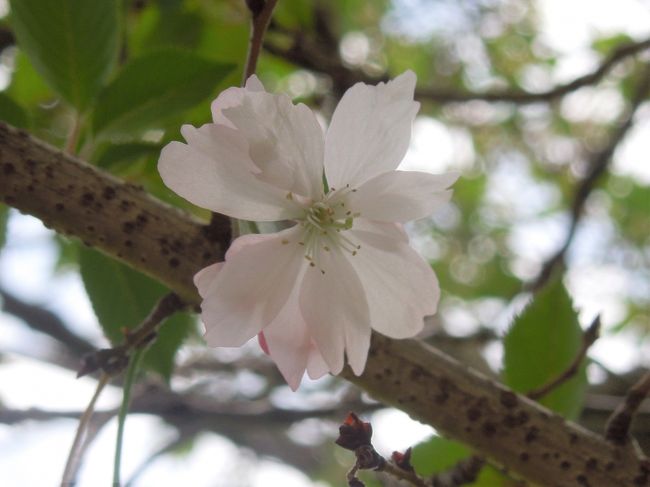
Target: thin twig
(584, 188)
(75, 450)
(113, 360)
(618, 426)
(406, 475)
(261, 11)
(131, 372)
(588, 338)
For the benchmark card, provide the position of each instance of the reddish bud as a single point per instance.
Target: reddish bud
(354, 433)
(403, 460)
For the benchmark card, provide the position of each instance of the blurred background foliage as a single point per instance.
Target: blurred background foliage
(113, 81)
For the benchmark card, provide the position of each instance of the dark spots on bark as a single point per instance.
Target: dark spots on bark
(125, 205)
(609, 466)
(473, 414)
(87, 199)
(582, 480)
(128, 227)
(573, 438)
(30, 188)
(128, 243)
(508, 399)
(108, 193)
(378, 376)
(489, 429)
(207, 256)
(416, 373)
(524, 456)
(591, 464)
(532, 434)
(90, 228)
(174, 262)
(8, 168)
(565, 465)
(49, 172)
(142, 220)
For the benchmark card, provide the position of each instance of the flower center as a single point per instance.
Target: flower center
(325, 225)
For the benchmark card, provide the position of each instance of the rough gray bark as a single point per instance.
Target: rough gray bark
(126, 223)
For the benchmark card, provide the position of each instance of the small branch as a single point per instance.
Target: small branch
(261, 11)
(584, 188)
(618, 426)
(464, 472)
(588, 338)
(44, 321)
(320, 57)
(113, 360)
(76, 449)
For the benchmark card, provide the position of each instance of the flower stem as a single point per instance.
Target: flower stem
(261, 12)
(76, 448)
(129, 379)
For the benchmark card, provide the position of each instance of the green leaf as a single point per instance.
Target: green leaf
(116, 155)
(541, 344)
(439, 454)
(154, 88)
(122, 298)
(73, 44)
(12, 113)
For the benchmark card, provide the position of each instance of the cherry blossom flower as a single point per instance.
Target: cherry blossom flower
(313, 291)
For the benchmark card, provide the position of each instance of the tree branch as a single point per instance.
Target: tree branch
(509, 429)
(44, 321)
(597, 168)
(618, 427)
(323, 58)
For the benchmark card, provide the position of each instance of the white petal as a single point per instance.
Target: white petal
(316, 365)
(286, 141)
(336, 311)
(401, 288)
(370, 131)
(401, 196)
(288, 341)
(214, 172)
(232, 97)
(253, 83)
(252, 287)
(203, 279)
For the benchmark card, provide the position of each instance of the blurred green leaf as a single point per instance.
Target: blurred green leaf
(73, 44)
(438, 454)
(27, 86)
(122, 298)
(541, 344)
(12, 113)
(154, 88)
(115, 155)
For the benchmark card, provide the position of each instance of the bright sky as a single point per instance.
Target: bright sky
(27, 261)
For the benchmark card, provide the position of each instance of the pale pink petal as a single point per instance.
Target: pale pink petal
(232, 97)
(287, 339)
(203, 279)
(213, 172)
(285, 140)
(316, 365)
(401, 288)
(252, 287)
(370, 131)
(401, 196)
(335, 309)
